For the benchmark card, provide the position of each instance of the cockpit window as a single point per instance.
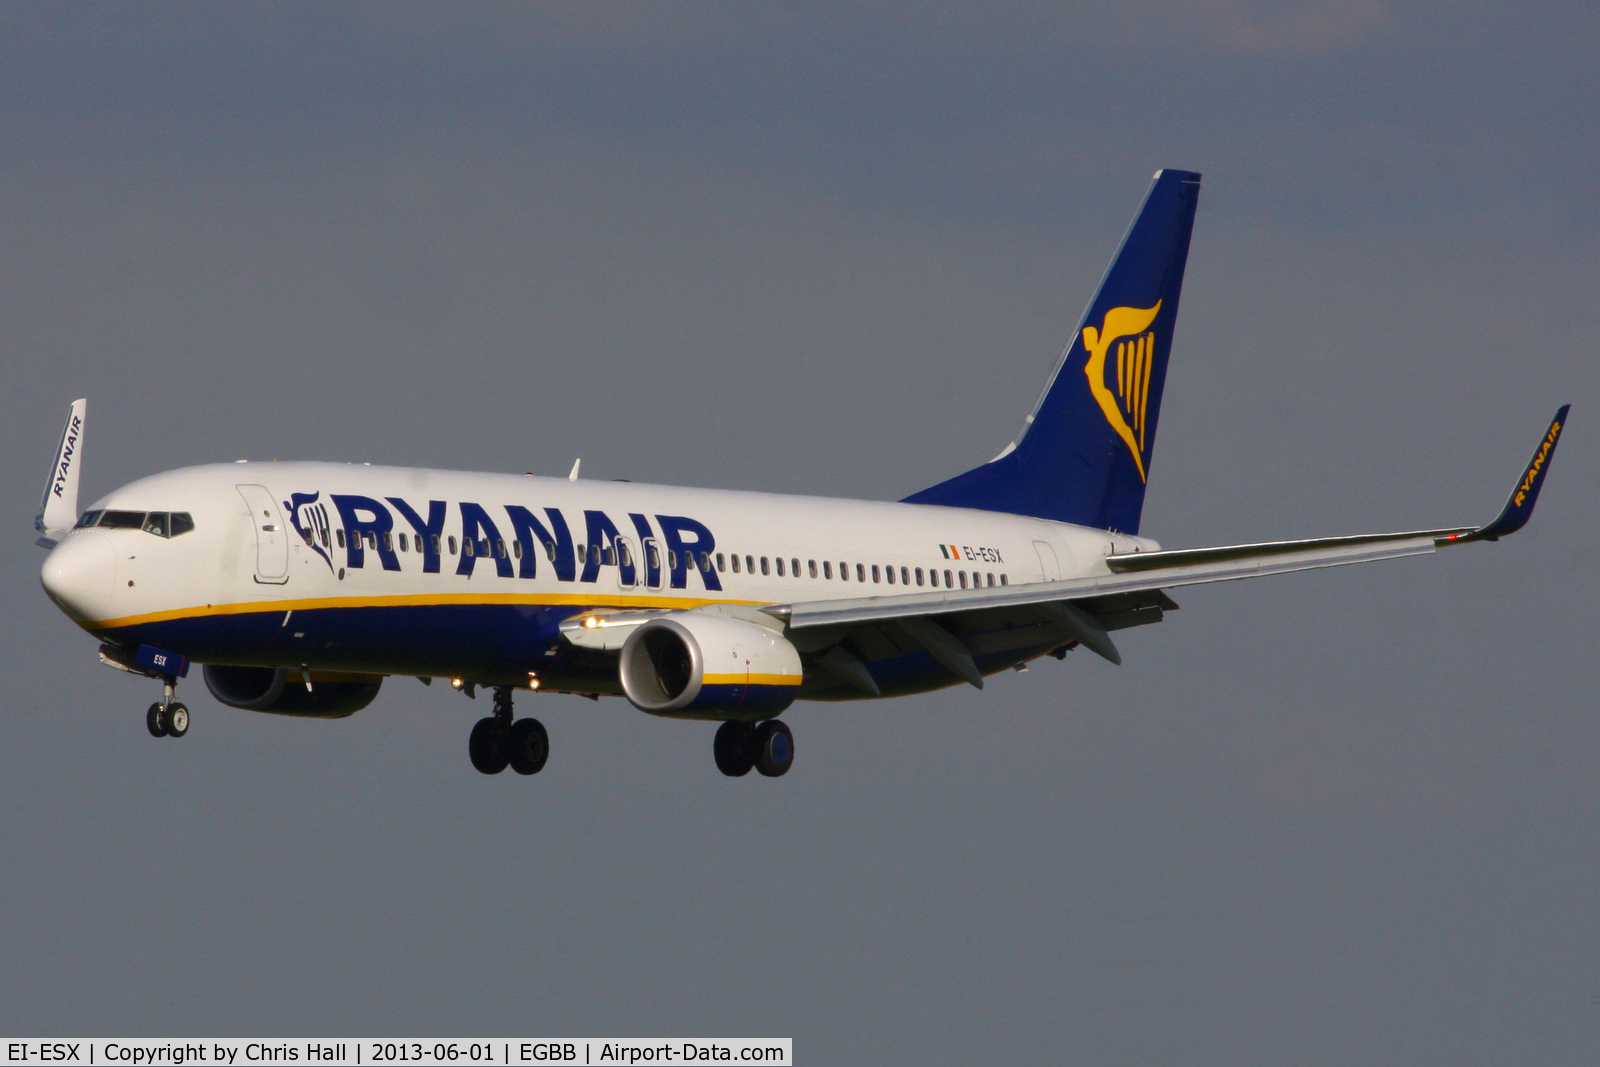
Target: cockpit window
(160, 523)
(121, 520)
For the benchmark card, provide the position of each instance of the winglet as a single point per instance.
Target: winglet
(58, 511)
(1519, 506)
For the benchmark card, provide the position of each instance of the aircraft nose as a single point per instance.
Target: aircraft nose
(80, 574)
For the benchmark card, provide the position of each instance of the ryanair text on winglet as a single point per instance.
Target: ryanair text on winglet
(1538, 463)
(68, 450)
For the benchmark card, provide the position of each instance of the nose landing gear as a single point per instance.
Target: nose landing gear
(167, 717)
(497, 742)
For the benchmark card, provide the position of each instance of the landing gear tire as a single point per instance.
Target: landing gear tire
(735, 748)
(774, 748)
(155, 722)
(176, 720)
(487, 746)
(528, 746)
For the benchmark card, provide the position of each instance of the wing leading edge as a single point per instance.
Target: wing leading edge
(1169, 569)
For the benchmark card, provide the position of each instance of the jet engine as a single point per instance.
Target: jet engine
(694, 666)
(275, 690)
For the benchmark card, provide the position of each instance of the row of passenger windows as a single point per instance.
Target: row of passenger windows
(160, 523)
(611, 555)
(877, 573)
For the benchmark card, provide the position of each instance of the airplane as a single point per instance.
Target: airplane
(301, 586)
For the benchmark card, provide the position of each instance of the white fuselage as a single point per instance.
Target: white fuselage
(318, 564)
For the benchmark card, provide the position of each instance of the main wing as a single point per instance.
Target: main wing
(1130, 592)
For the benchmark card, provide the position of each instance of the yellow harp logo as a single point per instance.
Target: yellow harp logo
(1125, 409)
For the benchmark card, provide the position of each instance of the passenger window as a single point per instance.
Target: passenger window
(861, 572)
(1002, 579)
(339, 533)
(469, 546)
(550, 551)
(874, 574)
(811, 567)
(609, 556)
(156, 523)
(780, 566)
(889, 574)
(919, 575)
(623, 555)
(452, 544)
(182, 523)
(672, 559)
(372, 540)
(905, 576)
(844, 571)
(516, 548)
(581, 550)
(764, 565)
(827, 570)
(435, 544)
(405, 542)
(722, 562)
(963, 577)
(949, 583)
(794, 567)
(388, 542)
(991, 579)
(749, 564)
(500, 547)
(736, 564)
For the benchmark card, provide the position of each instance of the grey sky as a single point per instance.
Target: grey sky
(1344, 817)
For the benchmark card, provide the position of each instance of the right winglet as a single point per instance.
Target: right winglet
(1519, 506)
(58, 511)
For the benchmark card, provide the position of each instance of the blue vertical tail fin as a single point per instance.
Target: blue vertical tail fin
(1084, 452)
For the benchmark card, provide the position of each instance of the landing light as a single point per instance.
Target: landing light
(456, 683)
(591, 623)
(533, 680)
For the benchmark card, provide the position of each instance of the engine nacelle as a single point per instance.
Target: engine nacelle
(696, 666)
(275, 690)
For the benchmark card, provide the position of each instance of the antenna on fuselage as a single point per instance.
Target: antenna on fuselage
(573, 476)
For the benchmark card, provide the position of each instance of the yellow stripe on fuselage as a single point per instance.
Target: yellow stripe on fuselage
(607, 600)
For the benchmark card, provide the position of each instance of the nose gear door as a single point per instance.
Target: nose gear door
(272, 540)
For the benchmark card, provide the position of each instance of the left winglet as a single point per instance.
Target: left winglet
(1519, 505)
(58, 511)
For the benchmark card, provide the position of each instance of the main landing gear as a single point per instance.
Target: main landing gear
(497, 742)
(767, 746)
(166, 717)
